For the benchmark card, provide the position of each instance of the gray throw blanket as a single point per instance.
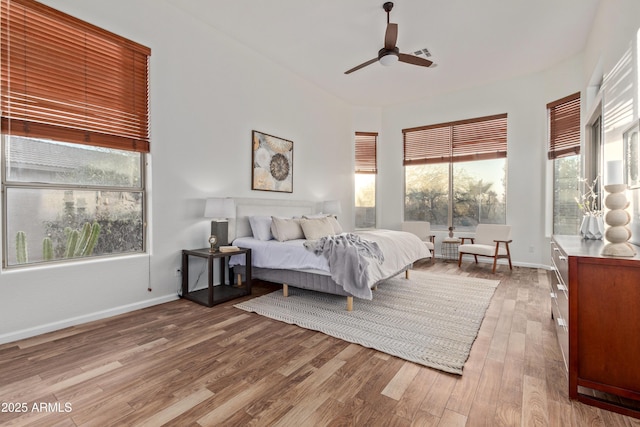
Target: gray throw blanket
(348, 256)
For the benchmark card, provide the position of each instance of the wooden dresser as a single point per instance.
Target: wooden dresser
(596, 307)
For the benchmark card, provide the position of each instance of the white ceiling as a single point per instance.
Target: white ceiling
(473, 42)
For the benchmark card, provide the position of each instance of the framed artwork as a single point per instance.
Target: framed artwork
(631, 156)
(271, 163)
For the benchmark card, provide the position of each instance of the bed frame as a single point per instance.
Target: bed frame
(316, 281)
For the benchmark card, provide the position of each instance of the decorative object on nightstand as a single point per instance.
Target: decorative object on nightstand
(617, 218)
(213, 240)
(451, 232)
(220, 210)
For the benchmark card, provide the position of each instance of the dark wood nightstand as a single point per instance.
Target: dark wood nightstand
(226, 291)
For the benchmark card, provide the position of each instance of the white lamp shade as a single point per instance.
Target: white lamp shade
(219, 208)
(332, 207)
(614, 172)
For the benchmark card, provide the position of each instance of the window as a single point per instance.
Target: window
(564, 152)
(74, 102)
(365, 179)
(455, 173)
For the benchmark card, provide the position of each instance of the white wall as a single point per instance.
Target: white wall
(207, 94)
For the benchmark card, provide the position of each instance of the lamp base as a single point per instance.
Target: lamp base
(618, 249)
(617, 218)
(220, 229)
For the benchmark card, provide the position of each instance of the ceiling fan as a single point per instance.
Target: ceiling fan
(390, 53)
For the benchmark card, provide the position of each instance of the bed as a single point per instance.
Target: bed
(291, 263)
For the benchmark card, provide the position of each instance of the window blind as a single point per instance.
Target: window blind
(473, 139)
(564, 126)
(68, 80)
(366, 160)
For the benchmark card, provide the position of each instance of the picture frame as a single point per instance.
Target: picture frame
(271, 163)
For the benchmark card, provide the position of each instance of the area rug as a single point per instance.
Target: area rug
(429, 319)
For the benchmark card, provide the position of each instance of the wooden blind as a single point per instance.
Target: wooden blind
(67, 80)
(366, 160)
(473, 139)
(564, 126)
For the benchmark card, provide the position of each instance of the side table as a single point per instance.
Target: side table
(214, 295)
(449, 249)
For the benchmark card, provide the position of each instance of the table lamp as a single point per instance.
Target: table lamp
(220, 209)
(617, 217)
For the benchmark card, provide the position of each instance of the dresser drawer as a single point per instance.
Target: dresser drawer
(562, 299)
(559, 280)
(560, 264)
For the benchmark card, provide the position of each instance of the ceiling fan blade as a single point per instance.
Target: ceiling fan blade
(415, 60)
(391, 36)
(356, 68)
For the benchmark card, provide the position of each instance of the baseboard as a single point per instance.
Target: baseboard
(73, 321)
(531, 265)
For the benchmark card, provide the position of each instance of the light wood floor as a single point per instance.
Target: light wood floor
(186, 365)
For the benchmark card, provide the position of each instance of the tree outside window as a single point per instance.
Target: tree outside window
(455, 173)
(478, 194)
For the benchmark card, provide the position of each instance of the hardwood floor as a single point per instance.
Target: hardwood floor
(183, 364)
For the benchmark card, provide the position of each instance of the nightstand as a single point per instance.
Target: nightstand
(225, 291)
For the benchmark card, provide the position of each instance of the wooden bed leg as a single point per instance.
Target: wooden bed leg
(375, 288)
(285, 290)
(406, 274)
(349, 303)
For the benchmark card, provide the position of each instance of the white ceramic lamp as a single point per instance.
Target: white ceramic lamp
(617, 217)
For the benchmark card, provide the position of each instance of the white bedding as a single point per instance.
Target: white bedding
(400, 250)
(289, 255)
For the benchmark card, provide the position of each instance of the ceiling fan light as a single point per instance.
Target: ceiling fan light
(389, 59)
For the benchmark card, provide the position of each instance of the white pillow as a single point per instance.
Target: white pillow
(337, 228)
(261, 227)
(316, 228)
(284, 229)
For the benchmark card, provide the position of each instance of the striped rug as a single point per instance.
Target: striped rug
(429, 319)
